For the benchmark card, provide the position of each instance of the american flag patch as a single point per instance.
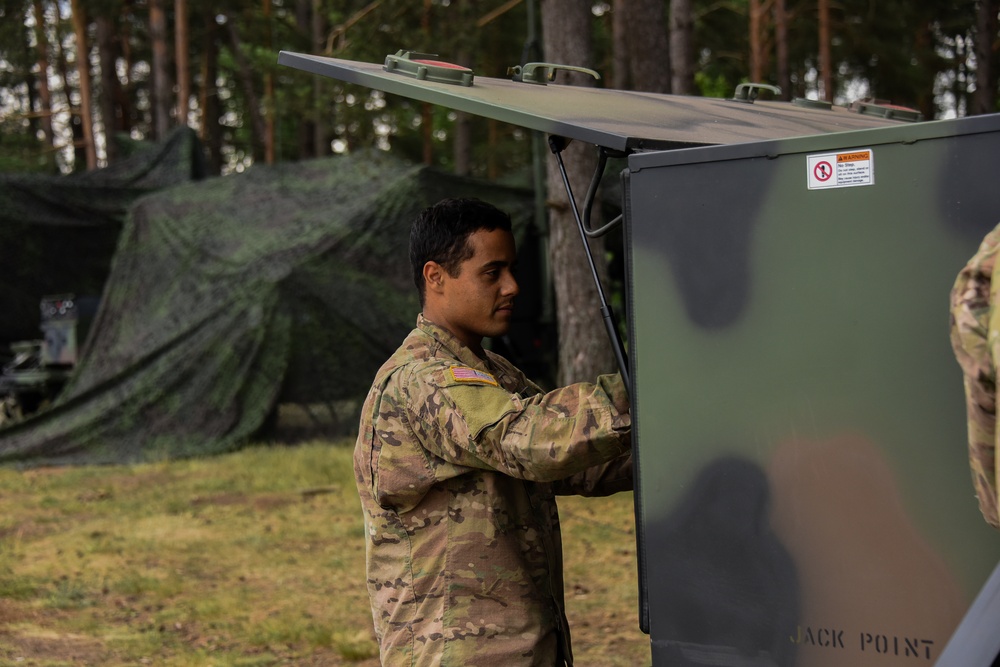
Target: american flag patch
(466, 374)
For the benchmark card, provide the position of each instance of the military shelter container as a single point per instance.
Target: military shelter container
(803, 493)
(805, 488)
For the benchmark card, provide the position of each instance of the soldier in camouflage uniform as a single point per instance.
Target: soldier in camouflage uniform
(458, 460)
(975, 336)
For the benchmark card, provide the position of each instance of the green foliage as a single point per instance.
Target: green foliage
(354, 647)
(721, 36)
(902, 67)
(712, 86)
(15, 587)
(20, 151)
(917, 54)
(68, 593)
(14, 39)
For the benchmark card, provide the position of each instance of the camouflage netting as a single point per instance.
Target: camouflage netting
(228, 296)
(58, 233)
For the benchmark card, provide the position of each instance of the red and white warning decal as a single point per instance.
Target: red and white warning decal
(846, 169)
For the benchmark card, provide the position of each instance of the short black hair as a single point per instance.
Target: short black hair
(441, 234)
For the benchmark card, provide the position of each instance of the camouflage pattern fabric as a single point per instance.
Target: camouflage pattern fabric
(228, 296)
(975, 335)
(58, 233)
(458, 461)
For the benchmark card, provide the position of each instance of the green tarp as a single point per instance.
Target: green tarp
(58, 233)
(285, 284)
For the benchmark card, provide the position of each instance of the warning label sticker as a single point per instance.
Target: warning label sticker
(841, 170)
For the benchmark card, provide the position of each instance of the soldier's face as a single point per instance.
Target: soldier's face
(478, 301)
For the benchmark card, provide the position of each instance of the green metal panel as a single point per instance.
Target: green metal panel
(611, 118)
(805, 491)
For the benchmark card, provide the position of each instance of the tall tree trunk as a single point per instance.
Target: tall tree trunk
(760, 43)
(76, 127)
(123, 92)
(109, 84)
(269, 105)
(426, 115)
(758, 54)
(492, 140)
(825, 66)
(321, 140)
(462, 144)
(648, 46)
(181, 58)
(987, 42)
(44, 93)
(621, 75)
(161, 77)
(682, 47)
(584, 350)
(464, 48)
(426, 133)
(83, 70)
(306, 129)
(210, 132)
(30, 82)
(246, 78)
(781, 48)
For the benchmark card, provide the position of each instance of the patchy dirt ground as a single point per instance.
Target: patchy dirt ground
(252, 559)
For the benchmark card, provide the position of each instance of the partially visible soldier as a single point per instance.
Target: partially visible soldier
(459, 457)
(975, 337)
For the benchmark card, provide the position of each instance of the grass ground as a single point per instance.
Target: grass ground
(250, 559)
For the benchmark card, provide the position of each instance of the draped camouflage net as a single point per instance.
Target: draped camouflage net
(58, 233)
(227, 297)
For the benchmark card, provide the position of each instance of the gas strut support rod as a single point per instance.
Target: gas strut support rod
(556, 145)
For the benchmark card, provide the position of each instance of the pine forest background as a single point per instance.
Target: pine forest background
(80, 79)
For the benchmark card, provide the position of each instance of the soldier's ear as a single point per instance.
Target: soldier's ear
(434, 276)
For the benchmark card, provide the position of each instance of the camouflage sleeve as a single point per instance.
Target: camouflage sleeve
(600, 480)
(974, 335)
(473, 421)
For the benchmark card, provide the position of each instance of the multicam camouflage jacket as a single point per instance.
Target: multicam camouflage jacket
(457, 462)
(975, 337)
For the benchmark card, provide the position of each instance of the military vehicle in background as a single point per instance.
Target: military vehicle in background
(799, 437)
(58, 233)
(37, 370)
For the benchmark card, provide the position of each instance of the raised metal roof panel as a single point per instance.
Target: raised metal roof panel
(614, 119)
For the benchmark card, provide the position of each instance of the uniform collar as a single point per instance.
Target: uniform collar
(451, 343)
